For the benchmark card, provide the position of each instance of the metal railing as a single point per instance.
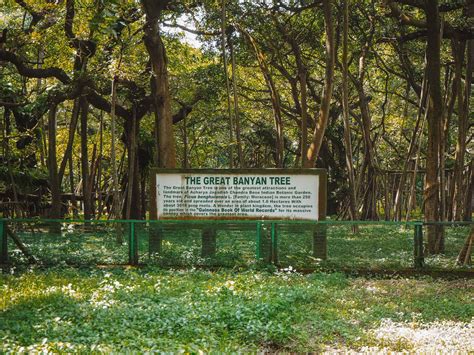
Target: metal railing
(306, 244)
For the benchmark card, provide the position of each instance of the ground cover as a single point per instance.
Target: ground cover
(151, 309)
(372, 247)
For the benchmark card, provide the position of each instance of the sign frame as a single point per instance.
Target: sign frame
(322, 191)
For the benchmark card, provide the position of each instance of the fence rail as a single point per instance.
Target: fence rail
(304, 244)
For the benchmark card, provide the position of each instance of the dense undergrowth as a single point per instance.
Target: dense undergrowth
(151, 309)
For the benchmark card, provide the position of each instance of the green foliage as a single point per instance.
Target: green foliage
(124, 310)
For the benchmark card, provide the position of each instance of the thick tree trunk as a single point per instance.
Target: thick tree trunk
(434, 119)
(165, 155)
(320, 128)
(165, 150)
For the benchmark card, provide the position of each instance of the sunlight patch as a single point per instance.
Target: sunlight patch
(444, 336)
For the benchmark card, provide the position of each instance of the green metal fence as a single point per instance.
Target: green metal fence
(243, 243)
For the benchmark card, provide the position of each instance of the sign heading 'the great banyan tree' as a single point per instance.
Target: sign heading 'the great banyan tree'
(238, 194)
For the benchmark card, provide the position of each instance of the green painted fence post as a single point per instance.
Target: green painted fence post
(132, 245)
(259, 241)
(274, 237)
(419, 259)
(3, 244)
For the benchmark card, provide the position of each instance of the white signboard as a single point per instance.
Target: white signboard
(252, 196)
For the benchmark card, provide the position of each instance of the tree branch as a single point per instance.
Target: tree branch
(196, 32)
(52, 72)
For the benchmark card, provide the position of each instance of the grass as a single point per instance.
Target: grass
(152, 309)
(373, 247)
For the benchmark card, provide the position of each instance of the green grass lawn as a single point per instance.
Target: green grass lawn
(152, 309)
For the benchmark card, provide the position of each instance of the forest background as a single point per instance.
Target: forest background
(93, 93)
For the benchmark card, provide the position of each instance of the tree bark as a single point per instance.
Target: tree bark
(165, 154)
(238, 130)
(320, 128)
(463, 125)
(70, 140)
(132, 207)
(464, 256)
(56, 209)
(227, 87)
(274, 97)
(115, 211)
(347, 128)
(434, 119)
(84, 107)
(369, 195)
(416, 135)
(469, 193)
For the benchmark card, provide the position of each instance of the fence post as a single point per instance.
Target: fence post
(274, 238)
(320, 243)
(132, 245)
(419, 259)
(209, 242)
(259, 241)
(3, 244)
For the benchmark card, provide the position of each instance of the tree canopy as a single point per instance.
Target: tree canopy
(93, 93)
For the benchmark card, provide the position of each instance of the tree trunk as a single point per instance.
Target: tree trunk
(302, 78)
(464, 257)
(320, 127)
(185, 163)
(434, 119)
(347, 127)
(274, 97)
(70, 140)
(369, 210)
(416, 135)
(463, 125)
(132, 206)
(469, 193)
(86, 191)
(165, 154)
(75, 210)
(115, 211)
(227, 87)
(236, 107)
(99, 171)
(56, 209)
